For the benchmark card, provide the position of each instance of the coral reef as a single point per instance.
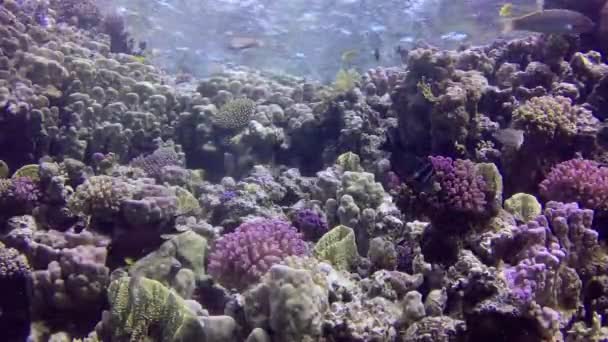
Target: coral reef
(250, 206)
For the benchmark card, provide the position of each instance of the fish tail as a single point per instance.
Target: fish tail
(508, 25)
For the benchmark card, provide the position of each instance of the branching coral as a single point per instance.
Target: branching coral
(460, 187)
(240, 258)
(235, 114)
(310, 223)
(577, 180)
(154, 163)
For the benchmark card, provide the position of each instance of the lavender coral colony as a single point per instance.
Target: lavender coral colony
(462, 196)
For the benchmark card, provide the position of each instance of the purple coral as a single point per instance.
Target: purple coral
(461, 188)
(240, 258)
(310, 223)
(24, 190)
(18, 195)
(154, 163)
(577, 180)
(548, 252)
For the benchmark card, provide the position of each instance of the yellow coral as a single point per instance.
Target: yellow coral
(425, 89)
(338, 247)
(30, 171)
(349, 162)
(544, 116)
(523, 207)
(346, 80)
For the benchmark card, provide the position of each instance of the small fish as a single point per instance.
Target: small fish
(510, 138)
(558, 21)
(241, 43)
(506, 10)
(348, 56)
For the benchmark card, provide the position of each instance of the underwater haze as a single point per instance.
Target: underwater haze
(303, 171)
(304, 37)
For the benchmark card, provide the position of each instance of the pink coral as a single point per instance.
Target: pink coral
(240, 258)
(577, 180)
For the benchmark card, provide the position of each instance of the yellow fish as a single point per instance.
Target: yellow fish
(140, 59)
(349, 55)
(506, 10)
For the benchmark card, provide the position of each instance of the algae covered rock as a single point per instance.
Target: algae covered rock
(144, 309)
(523, 207)
(287, 303)
(338, 247)
(186, 251)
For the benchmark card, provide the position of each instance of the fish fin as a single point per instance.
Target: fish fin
(540, 5)
(508, 25)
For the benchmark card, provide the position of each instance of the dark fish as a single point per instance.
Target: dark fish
(559, 21)
(510, 138)
(377, 54)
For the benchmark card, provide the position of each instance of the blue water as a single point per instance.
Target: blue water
(303, 37)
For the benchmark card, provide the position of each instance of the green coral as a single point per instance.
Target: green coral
(99, 196)
(187, 204)
(362, 186)
(346, 80)
(425, 89)
(524, 207)
(494, 185)
(142, 308)
(236, 114)
(546, 116)
(349, 162)
(187, 249)
(338, 247)
(30, 171)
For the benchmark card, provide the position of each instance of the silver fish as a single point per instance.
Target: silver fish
(510, 138)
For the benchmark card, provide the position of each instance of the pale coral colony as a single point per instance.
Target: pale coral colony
(252, 207)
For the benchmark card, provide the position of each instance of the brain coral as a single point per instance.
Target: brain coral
(99, 196)
(577, 180)
(235, 114)
(240, 258)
